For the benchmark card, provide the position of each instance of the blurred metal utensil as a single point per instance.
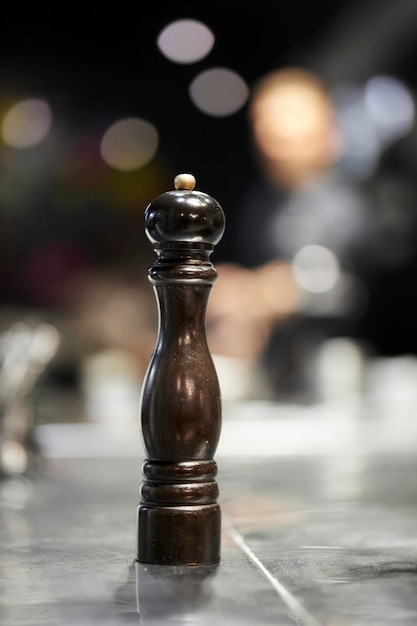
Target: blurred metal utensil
(25, 353)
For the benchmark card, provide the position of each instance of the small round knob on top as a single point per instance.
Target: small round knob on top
(184, 215)
(184, 181)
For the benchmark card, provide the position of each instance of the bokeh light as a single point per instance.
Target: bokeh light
(371, 117)
(361, 149)
(185, 41)
(219, 92)
(316, 268)
(27, 123)
(390, 105)
(129, 144)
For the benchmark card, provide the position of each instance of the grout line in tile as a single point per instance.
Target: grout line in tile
(297, 611)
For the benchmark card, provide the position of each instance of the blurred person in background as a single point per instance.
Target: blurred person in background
(306, 242)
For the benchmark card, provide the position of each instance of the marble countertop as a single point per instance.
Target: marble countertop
(312, 534)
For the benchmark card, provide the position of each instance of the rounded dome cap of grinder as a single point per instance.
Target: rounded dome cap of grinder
(184, 215)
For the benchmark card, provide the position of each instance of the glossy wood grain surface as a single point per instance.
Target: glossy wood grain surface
(179, 519)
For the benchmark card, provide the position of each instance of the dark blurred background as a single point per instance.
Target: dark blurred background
(71, 224)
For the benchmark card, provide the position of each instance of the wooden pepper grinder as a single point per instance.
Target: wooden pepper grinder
(179, 519)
